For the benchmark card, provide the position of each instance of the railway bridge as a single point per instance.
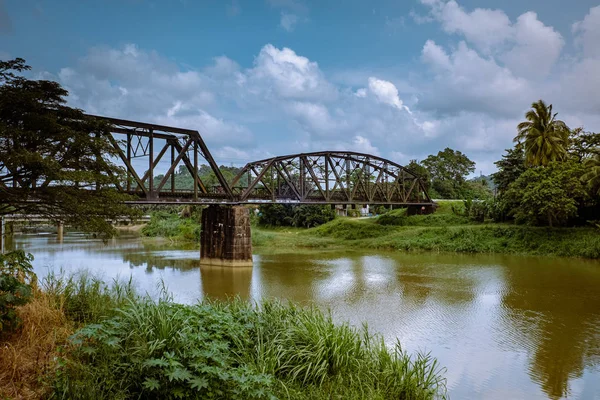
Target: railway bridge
(151, 155)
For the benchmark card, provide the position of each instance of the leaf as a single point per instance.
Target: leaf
(198, 382)
(156, 362)
(179, 374)
(151, 384)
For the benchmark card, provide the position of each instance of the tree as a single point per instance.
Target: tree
(544, 138)
(548, 195)
(55, 161)
(592, 175)
(449, 169)
(583, 145)
(420, 171)
(510, 167)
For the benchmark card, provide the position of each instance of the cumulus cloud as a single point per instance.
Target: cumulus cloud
(520, 45)
(386, 92)
(588, 33)
(289, 75)
(465, 80)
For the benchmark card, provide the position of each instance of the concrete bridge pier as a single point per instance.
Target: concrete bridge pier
(225, 237)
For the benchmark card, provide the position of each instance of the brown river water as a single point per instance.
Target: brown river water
(505, 327)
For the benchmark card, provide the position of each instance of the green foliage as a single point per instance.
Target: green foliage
(43, 141)
(399, 218)
(422, 172)
(510, 168)
(174, 225)
(86, 298)
(232, 350)
(543, 138)
(583, 145)
(592, 174)
(305, 216)
(448, 170)
(547, 195)
(16, 285)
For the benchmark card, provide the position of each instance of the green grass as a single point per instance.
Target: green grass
(438, 233)
(170, 225)
(234, 350)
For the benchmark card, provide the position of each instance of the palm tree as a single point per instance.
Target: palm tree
(544, 138)
(592, 175)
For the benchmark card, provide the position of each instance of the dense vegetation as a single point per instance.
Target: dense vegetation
(453, 228)
(175, 223)
(302, 216)
(55, 154)
(82, 339)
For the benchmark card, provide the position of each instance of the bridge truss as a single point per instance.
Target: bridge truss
(152, 154)
(331, 177)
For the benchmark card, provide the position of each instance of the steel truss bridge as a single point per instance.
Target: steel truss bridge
(327, 177)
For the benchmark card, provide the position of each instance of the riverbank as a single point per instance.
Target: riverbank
(80, 338)
(444, 231)
(482, 238)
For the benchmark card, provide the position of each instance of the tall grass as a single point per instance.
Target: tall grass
(234, 350)
(29, 357)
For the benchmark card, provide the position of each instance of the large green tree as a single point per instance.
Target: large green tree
(510, 167)
(549, 195)
(543, 137)
(55, 161)
(449, 170)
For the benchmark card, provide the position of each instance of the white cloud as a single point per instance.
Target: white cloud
(362, 92)
(289, 75)
(464, 80)
(361, 144)
(588, 31)
(484, 27)
(534, 42)
(288, 21)
(520, 45)
(386, 92)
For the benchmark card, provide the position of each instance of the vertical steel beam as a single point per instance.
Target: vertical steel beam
(327, 178)
(302, 178)
(151, 163)
(128, 161)
(172, 162)
(195, 170)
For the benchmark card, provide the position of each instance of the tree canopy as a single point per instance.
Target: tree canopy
(543, 137)
(449, 170)
(54, 160)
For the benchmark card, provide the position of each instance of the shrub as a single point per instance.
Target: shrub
(16, 284)
(235, 351)
(302, 216)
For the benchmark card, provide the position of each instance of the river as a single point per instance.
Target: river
(505, 327)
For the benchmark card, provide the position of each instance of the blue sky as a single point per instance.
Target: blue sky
(402, 79)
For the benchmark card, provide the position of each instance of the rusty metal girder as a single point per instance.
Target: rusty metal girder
(331, 177)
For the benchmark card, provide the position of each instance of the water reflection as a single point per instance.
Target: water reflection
(226, 282)
(554, 312)
(505, 327)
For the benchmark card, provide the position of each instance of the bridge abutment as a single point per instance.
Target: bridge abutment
(225, 236)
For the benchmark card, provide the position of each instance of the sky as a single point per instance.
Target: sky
(259, 78)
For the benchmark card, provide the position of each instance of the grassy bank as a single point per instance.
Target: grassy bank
(443, 231)
(83, 339)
